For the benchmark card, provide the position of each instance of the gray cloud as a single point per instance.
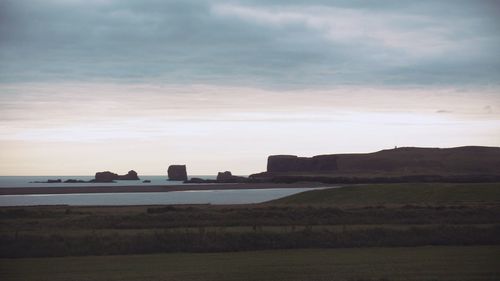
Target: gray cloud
(264, 43)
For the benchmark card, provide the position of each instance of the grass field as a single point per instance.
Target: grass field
(394, 194)
(416, 263)
(394, 215)
(364, 232)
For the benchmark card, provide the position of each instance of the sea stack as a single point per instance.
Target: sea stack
(108, 176)
(228, 177)
(177, 173)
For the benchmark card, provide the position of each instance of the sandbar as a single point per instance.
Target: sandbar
(151, 188)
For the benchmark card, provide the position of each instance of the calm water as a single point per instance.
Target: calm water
(24, 181)
(240, 196)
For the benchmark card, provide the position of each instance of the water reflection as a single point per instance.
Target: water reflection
(240, 196)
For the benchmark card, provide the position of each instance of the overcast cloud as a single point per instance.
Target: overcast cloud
(218, 85)
(252, 43)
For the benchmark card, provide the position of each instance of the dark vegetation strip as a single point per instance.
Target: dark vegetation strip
(348, 264)
(25, 231)
(430, 214)
(33, 245)
(178, 216)
(387, 194)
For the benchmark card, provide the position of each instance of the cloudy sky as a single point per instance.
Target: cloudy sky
(91, 85)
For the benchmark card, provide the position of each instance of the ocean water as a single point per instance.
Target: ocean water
(26, 181)
(239, 196)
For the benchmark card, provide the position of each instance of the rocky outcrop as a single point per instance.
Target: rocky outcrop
(177, 173)
(200, 180)
(74, 181)
(48, 181)
(227, 177)
(222, 177)
(60, 181)
(108, 176)
(131, 175)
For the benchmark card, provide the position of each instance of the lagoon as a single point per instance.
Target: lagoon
(236, 196)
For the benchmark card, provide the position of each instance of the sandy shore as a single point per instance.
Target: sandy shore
(149, 188)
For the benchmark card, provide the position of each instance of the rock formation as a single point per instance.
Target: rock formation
(401, 164)
(48, 181)
(108, 176)
(131, 175)
(222, 177)
(407, 160)
(177, 173)
(227, 177)
(60, 181)
(200, 180)
(74, 181)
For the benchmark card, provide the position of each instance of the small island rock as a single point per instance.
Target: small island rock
(74, 181)
(48, 181)
(177, 173)
(199, 180)
(108, 176)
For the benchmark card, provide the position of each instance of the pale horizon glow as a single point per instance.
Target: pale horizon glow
(120, 85)
(148, 127)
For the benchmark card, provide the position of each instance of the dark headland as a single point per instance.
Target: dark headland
(406, 164)
(468, 164)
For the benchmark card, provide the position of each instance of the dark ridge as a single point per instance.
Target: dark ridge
(460, 164)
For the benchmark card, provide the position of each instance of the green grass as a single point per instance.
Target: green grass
(354, 216)
(418, 263)
(393, 215)
(393, 194)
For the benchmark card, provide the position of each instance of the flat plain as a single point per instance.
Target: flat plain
(407, 263)
(365, 232)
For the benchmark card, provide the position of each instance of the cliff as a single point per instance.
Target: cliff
(392, 163)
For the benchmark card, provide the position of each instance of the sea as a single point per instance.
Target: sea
(219, 197)
(28, 181)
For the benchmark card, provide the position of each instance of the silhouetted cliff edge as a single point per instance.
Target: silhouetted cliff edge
(460, 164)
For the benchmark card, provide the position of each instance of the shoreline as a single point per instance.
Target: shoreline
(152, 188)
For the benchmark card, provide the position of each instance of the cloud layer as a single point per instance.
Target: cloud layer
(121, 84)
(252, 43)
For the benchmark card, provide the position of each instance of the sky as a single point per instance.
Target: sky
(94, 85)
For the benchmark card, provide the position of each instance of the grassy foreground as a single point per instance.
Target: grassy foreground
(398, 194)
(416, 263)
(371, 232)
(396, 215)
